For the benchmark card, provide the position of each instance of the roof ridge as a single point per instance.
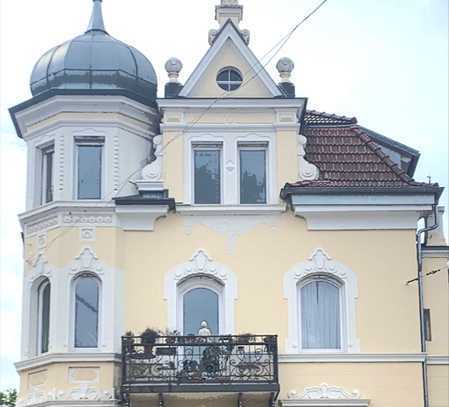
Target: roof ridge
(350, 120)
(376, 149)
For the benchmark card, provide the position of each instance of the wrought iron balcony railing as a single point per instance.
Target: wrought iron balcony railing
(183, 364)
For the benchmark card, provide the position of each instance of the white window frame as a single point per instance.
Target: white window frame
(40, 290)
(254, 146)
(338, 284)
(230, 172)
(44, 150)
(193, 283)
(74, 283)
(203, 146)
(229, 83)
(320, 264)
(94, 142)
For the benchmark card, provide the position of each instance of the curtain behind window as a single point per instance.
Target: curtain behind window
(320, 315)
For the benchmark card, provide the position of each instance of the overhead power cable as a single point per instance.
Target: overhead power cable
(277, 47)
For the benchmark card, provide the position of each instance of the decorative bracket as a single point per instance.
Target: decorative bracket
(307, 171)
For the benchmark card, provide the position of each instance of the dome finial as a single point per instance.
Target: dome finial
(96, 20)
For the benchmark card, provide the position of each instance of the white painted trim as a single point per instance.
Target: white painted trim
(237, 103)
(360, 218)
(429, 253)
(344, 202)
(238, 128)
(49, 358)
(138, 218)
(74, 403)
(229, 32)
(437, 360)
(352, 358)
(201, 265)
(326, 403)
(230, 158)
(321, 264)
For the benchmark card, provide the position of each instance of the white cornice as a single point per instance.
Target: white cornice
(66, 358)
(361, 217)
(435, 253)
(230, 209)
(36, 114)
(438, 360)
(235, 127)
(140, 218)
(240, 103)
(352, 358)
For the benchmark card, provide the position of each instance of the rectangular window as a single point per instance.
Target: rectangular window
(47, 174)
(89, 166)
(253, 173)
(207, 173)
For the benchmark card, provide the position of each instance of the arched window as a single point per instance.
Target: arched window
(43, 333)
(87, 293)
(200, 300)
(320, 314)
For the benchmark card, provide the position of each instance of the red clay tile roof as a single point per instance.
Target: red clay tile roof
(348, 159)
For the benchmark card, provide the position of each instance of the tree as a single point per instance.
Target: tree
(8, 398)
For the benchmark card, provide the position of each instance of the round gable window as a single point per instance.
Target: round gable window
(229, 79)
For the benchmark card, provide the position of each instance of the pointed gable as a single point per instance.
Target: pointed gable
(230, 50)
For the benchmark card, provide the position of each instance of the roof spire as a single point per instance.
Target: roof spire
(96, 20)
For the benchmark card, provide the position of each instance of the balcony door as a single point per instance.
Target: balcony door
(201, 305)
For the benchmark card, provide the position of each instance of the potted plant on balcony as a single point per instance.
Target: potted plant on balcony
(270, 343)
(148, 338)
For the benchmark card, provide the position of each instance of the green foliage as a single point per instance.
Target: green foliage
(8, 398)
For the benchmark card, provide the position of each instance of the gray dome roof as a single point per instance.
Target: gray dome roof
(95, 61)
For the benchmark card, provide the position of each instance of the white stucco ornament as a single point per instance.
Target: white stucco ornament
(307, 171)
(229, 2)
(153, 171)
(173, 67)
(285, 68)
(324, 392)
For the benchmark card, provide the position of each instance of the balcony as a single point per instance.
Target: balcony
(200, 364)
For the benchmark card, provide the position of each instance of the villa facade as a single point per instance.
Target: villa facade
(271, 249)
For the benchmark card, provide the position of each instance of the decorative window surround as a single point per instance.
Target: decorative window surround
(201, 265)
(61, 304)
(230, 159)
(325, 396)
(321, 264)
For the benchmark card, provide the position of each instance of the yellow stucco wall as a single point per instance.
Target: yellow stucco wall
(439, 386)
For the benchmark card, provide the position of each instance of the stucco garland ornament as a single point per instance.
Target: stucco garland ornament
(324, 392)
(153, 171)
(307, 171)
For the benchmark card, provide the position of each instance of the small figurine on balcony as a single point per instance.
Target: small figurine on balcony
(204, 330)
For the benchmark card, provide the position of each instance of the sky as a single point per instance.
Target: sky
(383, 61)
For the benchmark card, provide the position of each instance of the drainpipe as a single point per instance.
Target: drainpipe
(419, 232)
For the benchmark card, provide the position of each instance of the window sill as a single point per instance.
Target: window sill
(344, 357)
(230, 209)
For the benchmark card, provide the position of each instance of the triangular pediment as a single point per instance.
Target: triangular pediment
(230, 50)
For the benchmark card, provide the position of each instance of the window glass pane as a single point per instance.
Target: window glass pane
(44, 295)
(86, 313)
(47, 175)
(89, 172)
(253, 177)
(207, 176)
(235, 76)
(200, 304)
(320, 316)
(223, 76)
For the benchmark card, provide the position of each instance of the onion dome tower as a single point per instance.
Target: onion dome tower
(95, 61)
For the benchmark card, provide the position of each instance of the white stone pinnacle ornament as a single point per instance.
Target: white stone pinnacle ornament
(173, 67)
(285, 68)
